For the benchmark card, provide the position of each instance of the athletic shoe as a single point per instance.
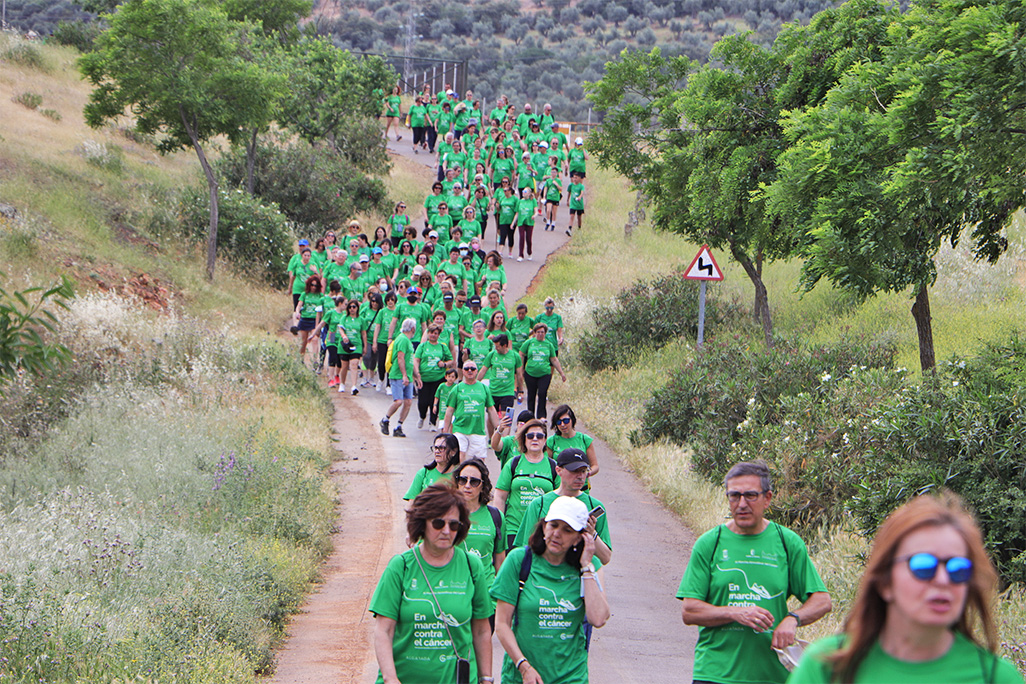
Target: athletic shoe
(511, 255)
(341, 388)
(398, 432)
(530, 257)
(570, 232)
(355, 391)
(332, 382)
(294, 330)
(416, 151)
(420, 424)
(383, 424)
(398, 138)
(520, 258)
(434, 428)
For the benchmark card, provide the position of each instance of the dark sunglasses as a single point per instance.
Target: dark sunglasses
(565, 420)
(923, 566)
(470, 369)
(462, 480)
(439, 523)
(535, 435)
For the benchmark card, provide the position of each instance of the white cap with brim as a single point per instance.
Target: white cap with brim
(579, 141)
(570, 510)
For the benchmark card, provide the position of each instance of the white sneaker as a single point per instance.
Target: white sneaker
(530, 257)
(355, 391)
(420, 424)
(434, 428)
(341, 388)
(520, 258)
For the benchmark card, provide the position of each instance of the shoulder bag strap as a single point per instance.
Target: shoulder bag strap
(441, 613)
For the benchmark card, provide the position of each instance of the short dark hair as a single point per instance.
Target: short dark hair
(486, 482)
(757, 468)
(434, 502)
(560, 411)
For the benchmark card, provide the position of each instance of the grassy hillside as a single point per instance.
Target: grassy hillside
(165, 504)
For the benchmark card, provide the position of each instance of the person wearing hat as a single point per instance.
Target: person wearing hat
(376, 268)
(539, 162)
(411, 309)
(557, 138)
(578, 159)
(471, 313)
(535, 135)
(572, 467)
(540, 621)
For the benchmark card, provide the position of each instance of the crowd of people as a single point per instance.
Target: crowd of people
(506, 537)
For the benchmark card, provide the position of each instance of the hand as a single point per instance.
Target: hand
(417, 383)
(505, 423)
(757, 618)
(531, 676)
(374, 347)
(562, 376)
(784, 634)
(589, 528)
(406, 380)
(589, 547)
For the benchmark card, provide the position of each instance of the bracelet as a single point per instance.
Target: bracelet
(486, 679)
(521, 662)
(797, 619)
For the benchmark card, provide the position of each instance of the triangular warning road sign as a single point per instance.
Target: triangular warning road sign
(704, 267)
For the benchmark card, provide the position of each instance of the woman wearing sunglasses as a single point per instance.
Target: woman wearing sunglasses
(566, 436)
(524, 478)
(484, 539)
(923, 612)
(445, 456)
(431, 605)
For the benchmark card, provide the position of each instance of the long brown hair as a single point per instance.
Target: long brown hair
(869, 611)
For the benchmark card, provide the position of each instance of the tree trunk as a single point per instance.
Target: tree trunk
(250, 161)
(924, 328)
(761, 310)
(212, 185)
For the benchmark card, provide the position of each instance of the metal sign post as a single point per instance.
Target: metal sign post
(703, 268)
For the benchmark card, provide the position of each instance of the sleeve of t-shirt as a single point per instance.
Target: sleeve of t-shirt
(416, 487)
(695, 583)
(506, 586)
(527, 523)
(803, 577)
(481, 604)
(388, 593)
(550, 444)
(505, 477)
(812, 669)
(587, 439)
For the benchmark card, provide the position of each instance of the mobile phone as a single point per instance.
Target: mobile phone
(509, 415)
(597, 512)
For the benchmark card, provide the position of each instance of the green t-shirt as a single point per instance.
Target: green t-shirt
(433, 110)
(399, 223)
(525, 177)
(431, 203)
(538, 508)
(502, 372)
(507, 209)
(352, 326)
(430, 355)
(554, 323)
(484, 541)
(470, 228)
(403, 344)
(470, 406)
(441, 223)
(508, 448)
(502, 168)
(384, 319)
(421, 645)
(525, 212)
(576, 191)
(393, 102)
(733, 569)
(557, 442)
(331, 319)
(577, 162)
(417, 113)
(530, 481)
(537, 357)
(519, 331)
(553, 189)
(406, 310)
(477, 350)
(424, 478)
(550, 613)
(311, 304)
(442, 394)
(302, 272)
(964, 662)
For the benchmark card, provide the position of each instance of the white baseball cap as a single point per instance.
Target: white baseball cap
(543, 145)
(579, 141)
(570, 510)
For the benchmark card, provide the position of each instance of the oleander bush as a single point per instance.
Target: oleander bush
(648, 315)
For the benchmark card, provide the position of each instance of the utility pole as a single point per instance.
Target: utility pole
(408, 40)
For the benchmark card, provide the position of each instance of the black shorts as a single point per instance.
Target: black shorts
(504, 402)
(554, 203)
(307, 323)
(333, 360)
(578, 212)
(346, 358)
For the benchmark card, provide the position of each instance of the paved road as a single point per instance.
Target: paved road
(330, 640)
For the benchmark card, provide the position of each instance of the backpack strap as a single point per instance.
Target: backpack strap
(787, 554)
(525, 572)
(497, 522)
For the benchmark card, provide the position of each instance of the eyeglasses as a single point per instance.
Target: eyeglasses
(439, 523)
(734, 497)
(470, 369)
(535, 435)
(438, 447)
(923, 566)
(565, 420)
(462, 480)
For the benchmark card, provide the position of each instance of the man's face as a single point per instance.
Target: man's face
(573, 479)
(747, 514)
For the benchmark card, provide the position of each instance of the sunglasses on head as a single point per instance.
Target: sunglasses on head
(439, 523)
(462, 480)
(923, 566)
(535, 435)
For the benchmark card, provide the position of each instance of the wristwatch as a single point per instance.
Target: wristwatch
(590, 567)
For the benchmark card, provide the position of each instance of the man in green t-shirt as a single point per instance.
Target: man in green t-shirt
(470, 404)
(402, 377)
(737, 583)
(576, 192)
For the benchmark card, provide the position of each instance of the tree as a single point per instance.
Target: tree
(633, 25)
(910, 150)
(177, 66)
(22, 347)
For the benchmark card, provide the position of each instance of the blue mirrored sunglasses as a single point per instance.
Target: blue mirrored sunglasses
(923, 566)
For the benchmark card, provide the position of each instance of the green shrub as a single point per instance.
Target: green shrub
(964, 429)
(30, 100)
(77, 34)
(255, 237)
(51, 114)
(648, 315)
(103, 156)
(25, 53)
(314, 187)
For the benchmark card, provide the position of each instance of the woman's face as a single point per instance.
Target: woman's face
(422, 259)
(560, 537)
(379, 234)
(329, 239)
(539, 334)
(499, 320)
(353, 310)
(438, 449)
(493, 299)
(443, 539)
(433, 339)
(521, 314)
(936, 602)
(534, 439)
(563, 423)
(469, 483)
(305, 257)
(479, 330)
